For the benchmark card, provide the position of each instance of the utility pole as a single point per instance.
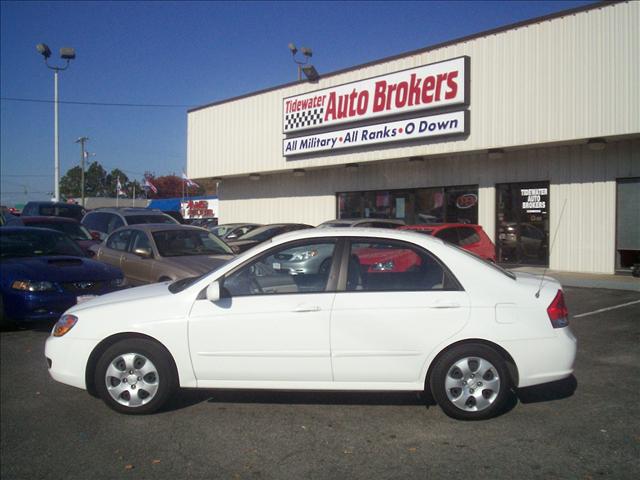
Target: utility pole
(83, 156)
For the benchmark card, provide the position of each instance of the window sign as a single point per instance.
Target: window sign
(534, 200)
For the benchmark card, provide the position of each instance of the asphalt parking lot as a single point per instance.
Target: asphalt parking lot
(586, 427)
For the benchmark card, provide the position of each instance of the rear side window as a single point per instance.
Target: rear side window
(114, 222)
(448, 235)
(119, 240)
(96, 221)
(387, 265)
(468, 236)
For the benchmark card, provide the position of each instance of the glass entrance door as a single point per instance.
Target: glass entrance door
(522, 223)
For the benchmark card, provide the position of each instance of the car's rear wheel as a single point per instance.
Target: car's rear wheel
(135, 376)
(471, 382)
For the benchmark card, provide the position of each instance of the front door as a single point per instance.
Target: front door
(522, 223)
(271, 324)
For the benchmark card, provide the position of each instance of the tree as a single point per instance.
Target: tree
(70, 183)
(171, 186)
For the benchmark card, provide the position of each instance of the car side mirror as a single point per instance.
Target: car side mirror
(232, 236)
(143, 252)
(213, 292)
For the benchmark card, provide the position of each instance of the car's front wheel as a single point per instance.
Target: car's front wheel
(135, 376)
(471, 382)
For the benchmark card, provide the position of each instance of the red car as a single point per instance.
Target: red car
(468, 236)
(70, 226)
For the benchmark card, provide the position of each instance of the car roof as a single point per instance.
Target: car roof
(394, 234)
(359, 220)
(158, 227)
(58, 204)
(48, 219)
(128, 210)
(436, 226)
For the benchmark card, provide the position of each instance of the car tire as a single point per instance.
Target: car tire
(471, 382)
(135, 376)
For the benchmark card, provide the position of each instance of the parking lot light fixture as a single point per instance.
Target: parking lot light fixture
(66, 54)
(308, 70)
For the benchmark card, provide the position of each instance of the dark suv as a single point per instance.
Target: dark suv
(103, 221)
(53, 209)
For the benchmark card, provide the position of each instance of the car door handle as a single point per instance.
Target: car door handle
(306, 308)
(446, 305)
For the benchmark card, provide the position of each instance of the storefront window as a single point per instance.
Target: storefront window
(522, 223)
(457, 204)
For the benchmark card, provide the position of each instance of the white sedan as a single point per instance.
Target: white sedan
(395, 310)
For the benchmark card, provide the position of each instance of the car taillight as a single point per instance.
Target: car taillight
(558, 312)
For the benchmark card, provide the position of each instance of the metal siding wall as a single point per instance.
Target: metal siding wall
(564, 79)
(587, 180)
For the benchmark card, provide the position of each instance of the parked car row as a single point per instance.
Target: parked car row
(148, 246)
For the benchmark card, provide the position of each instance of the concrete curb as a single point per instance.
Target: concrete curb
(587, 280)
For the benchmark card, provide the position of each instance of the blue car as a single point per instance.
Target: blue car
(43, 273)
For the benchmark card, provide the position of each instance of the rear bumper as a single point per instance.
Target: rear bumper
(545, 360)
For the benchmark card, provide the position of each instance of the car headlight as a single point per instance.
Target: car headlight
(118, 282)
(63, 325)
(32, 286)
(302, 256)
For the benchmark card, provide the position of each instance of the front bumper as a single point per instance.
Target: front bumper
(67, 359)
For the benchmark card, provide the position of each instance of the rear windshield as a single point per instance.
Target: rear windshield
(138, 219)
(324, 225)
(69, 211)
(493, 265)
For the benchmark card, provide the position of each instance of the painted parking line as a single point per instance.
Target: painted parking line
(606, 309)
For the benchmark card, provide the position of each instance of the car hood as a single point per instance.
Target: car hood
(130, 294)
(196, 264)
(59, 268)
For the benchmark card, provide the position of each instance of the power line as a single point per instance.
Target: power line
(101, 104)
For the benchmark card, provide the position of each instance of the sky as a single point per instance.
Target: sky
(173, 56)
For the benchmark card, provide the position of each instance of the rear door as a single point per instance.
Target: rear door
(394, 306)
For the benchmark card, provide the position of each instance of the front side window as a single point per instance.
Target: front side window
(387, 265)
(298, 268)
(141, 240)
(119, 240)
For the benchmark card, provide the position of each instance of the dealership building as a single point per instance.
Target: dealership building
(531, 130)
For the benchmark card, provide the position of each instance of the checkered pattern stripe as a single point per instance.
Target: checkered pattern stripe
(306, 118)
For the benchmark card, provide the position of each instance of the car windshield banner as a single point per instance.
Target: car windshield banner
(437, 85)
(402, 130)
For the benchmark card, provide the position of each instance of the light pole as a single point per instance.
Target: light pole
(306, 52)
(83, 156)
(67, 54)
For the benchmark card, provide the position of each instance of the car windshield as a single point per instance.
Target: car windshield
(326, 225)
(222, 230)
(138, 219)
(179, 243)
(262, 234)
(36, 243)
(74, 230)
